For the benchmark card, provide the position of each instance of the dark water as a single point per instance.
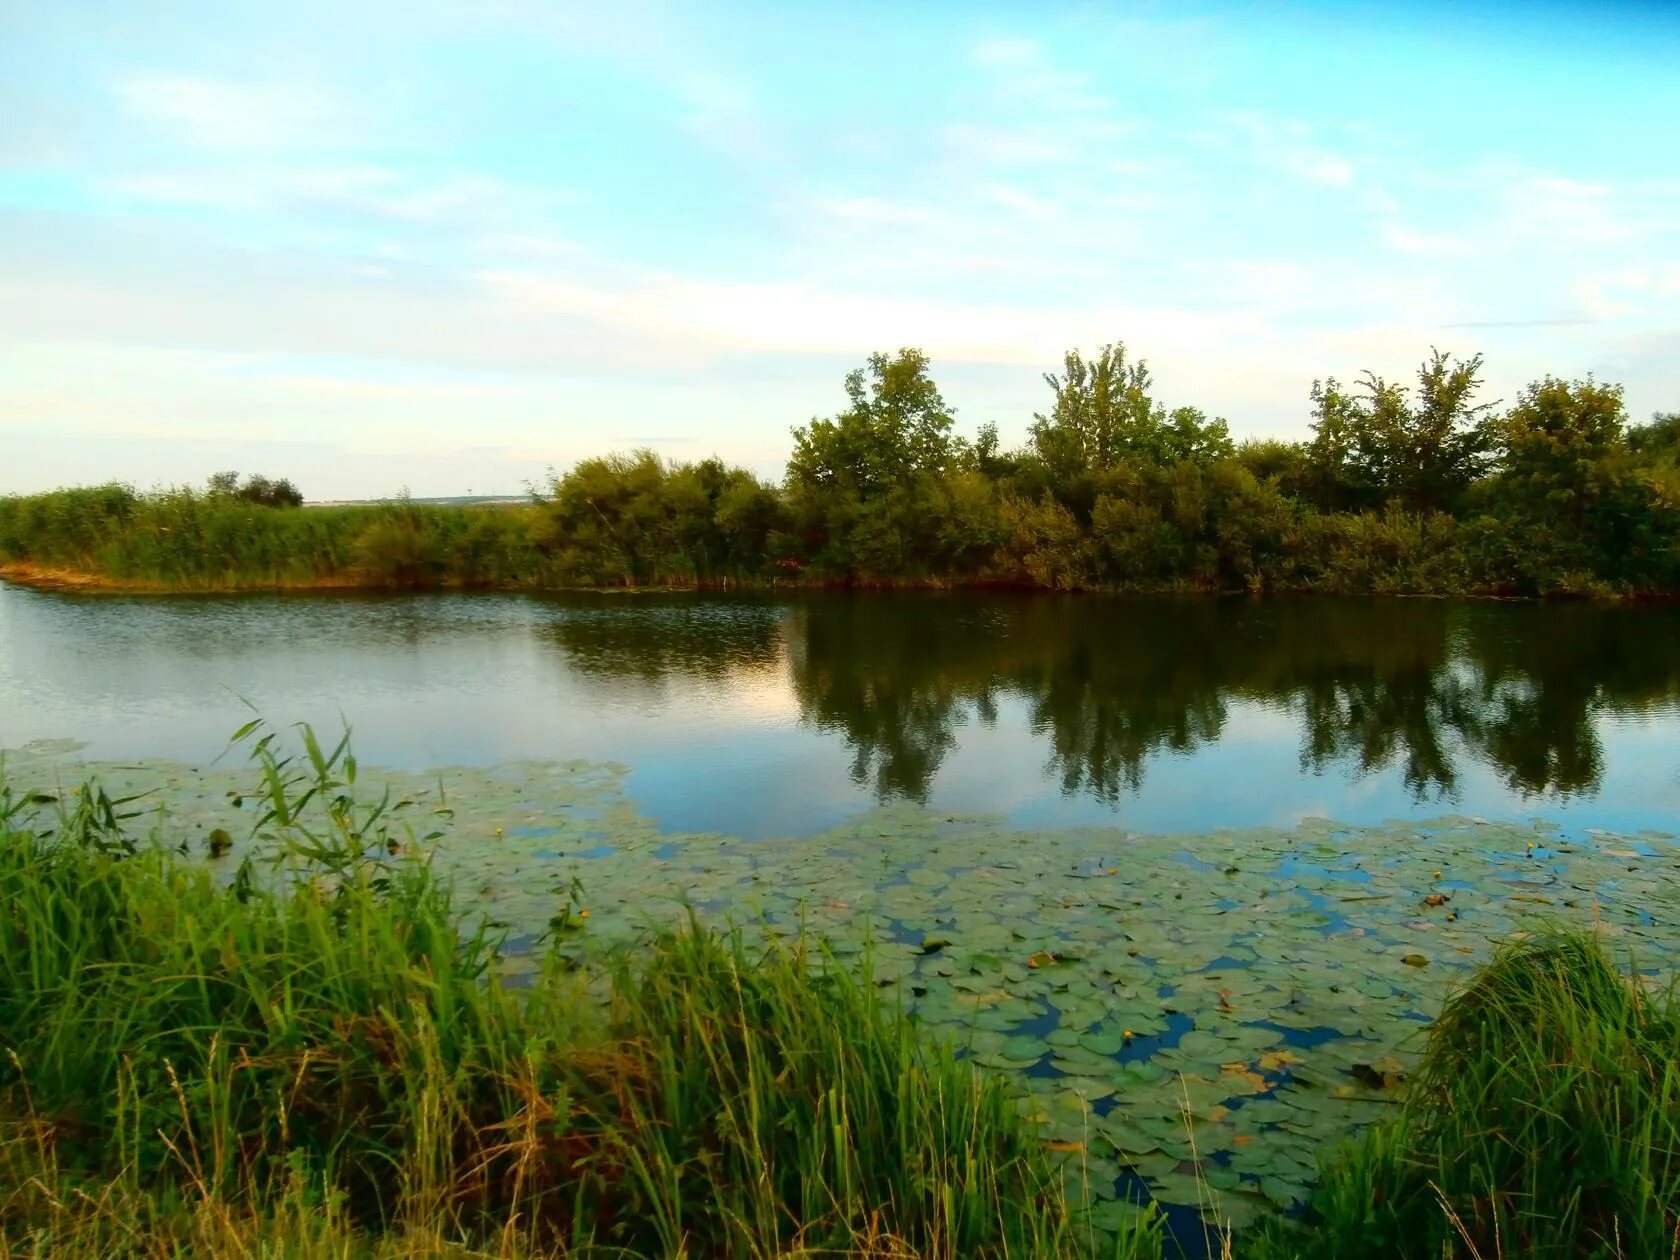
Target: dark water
(762, 716)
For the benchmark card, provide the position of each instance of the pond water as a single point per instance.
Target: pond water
(784, 716)
(1087, 840)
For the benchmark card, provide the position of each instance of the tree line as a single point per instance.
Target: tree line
(1419, 487)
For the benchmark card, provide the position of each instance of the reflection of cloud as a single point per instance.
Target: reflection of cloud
(764, 689)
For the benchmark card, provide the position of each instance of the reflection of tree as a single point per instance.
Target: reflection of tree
(1376, 683)
(893, 673)
(1410, 685)
(1543, 681)
(1113, 691)
(1373, 721)
(651, 638)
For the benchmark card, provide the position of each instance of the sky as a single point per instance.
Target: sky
(447, 247)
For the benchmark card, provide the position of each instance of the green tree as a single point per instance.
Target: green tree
(1383, 442)
(1558, 438)
(1572, 506)
(1103, 414)
(896, 428)
(1660, 439)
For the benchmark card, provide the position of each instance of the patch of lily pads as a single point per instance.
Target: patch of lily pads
(1199, 1014)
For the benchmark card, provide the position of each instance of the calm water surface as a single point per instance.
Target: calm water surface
(765, 716)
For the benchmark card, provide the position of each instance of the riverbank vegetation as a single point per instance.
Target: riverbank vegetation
(1419, 489)
(321, 1062)
(1544, 1123)
(312, 1054)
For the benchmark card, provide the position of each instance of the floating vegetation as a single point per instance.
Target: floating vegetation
(1198, 1014)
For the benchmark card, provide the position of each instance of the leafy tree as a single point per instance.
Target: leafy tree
(1572, 504)
(1660, 439)
(896, 428)
(1103, 414)
(1379, 442)
(1555, 442)
(281, 493)
(259, 490)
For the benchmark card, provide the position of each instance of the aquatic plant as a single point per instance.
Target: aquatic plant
(315, 1055)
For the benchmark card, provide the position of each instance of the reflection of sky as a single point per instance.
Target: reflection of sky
(721, 745)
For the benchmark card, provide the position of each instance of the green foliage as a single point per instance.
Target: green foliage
(193, 1063)
(259, 490)
(1379, 444)
(1544, 1122)
(1103, 416)
(637, 521)
(1415, 490)
(896, 429)
(1660, 439)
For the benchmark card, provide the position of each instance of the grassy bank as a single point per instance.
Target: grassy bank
(1544, 1122)
(112, 538)
(313, 1056)
(323, 1064)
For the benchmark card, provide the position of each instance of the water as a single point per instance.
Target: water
(764, 716)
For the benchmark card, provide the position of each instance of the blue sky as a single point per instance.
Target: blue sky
(448, 246)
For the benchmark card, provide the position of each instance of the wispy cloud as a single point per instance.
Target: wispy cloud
(1421, 244)
(225, 114)
(724, 113)
(1292, 147)
(378, 192)
(659, 208)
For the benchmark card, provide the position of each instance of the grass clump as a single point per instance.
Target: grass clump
(320, 1061)
(1544, 1122)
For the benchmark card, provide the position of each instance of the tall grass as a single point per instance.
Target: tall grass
(319, 1060)
(316, 1057)
(188, 540)
(1544, 1122)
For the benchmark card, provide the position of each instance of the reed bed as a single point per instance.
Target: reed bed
(188, 540)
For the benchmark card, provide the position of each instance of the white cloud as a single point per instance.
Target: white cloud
(1022, 73)
(873, 210)
(1007, 53)
(1633, 292)
(374, 191)
(1291, 146)
(219, 114)
(1003, 146)
(1405, 240)
(1567, 211)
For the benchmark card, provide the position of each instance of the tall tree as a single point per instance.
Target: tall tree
(1103, 414)
(1384, 442)
(896, 427)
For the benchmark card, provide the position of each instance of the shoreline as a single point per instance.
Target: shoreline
(80, 582)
